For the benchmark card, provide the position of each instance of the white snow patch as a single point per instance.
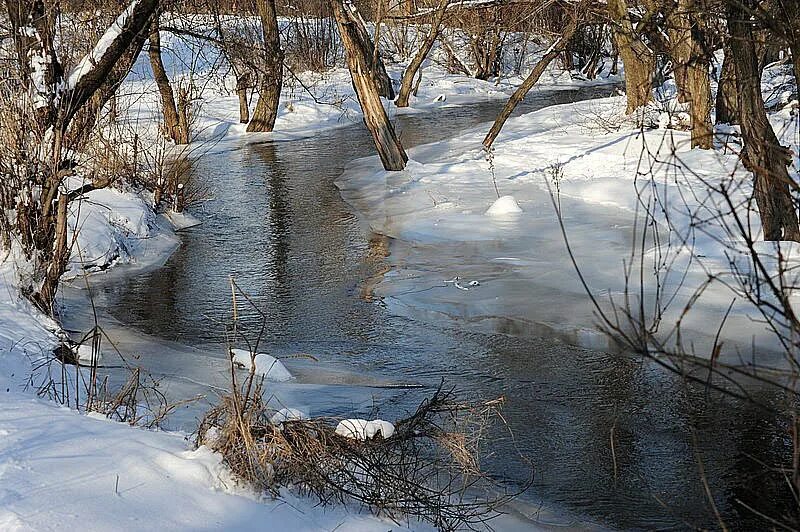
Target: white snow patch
(87, 355)
(503, 206)
(287, 414)
(268, 366)
(361, 429)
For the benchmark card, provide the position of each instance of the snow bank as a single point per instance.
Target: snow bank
(287, 414)
(268, 366)
(603, 169)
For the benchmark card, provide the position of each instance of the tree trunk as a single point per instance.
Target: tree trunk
(372, 57)
(687, 30)
(795, 48)
(269, 93)
(637, 58)
(762, 154)
(242, 84)
(169, 109)
(389, 148)
(727, 105)
(408, 76)
(555, 50)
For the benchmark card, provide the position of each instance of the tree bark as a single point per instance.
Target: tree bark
(691, 68)
(555, 50)
(637, 58)
(727, 106)
(372, 56)
(242, 84)
(406, 84)
(269, 92)
(389, 148)
(169, 109)
(762, 154)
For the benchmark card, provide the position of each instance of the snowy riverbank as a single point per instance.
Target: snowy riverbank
(61, 468)
(605, 170)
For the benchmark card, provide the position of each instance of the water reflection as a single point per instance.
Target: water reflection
(609, 436)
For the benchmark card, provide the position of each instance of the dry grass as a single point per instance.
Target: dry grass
(429, 469)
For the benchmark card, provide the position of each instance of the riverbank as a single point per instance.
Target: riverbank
(605, 171)
(129, 478)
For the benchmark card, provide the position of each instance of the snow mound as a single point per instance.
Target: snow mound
(361, 429)
(88, 356)
(270, 367)
(287, 414)
(503, 206)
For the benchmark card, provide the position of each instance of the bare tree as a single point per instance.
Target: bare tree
(414, 66)
(763, 155)
(53, 98)
(352, 32)
(271, 79)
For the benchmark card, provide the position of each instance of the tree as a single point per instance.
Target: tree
(413, 67)
(762, 154)
(637, 58)
(687, 33)
(352, 33)
(271, 78)
(574, 20)
(33, 188)
(174, 127)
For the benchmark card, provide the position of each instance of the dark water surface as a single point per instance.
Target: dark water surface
(278, 225)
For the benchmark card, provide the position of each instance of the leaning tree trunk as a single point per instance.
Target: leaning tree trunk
(762, 154)
(372, 56)
(637, 58)
(691, 69)
(269, 93)
(556, 49)
(406, 84)
(169, 109)
(389, 148)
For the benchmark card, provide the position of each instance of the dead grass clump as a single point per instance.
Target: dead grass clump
(429, 469)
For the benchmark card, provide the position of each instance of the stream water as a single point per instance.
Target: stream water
(613, 440)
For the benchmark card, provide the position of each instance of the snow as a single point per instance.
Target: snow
(287, 414)
(182, 220)
(87, 355)
(60, 469)
(361, 429)
(602, 168)
(503, 206)
(90, 60)
(267, 366)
